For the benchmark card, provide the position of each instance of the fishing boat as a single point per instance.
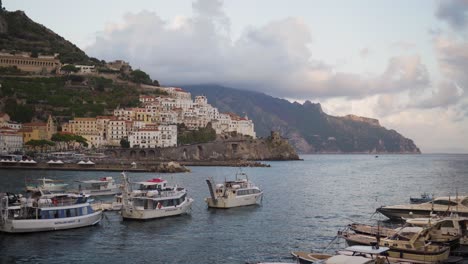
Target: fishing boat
(424, 198)
(451, 226)
(439, 206)
(102, 187)
(47, 185)
(44, 211)
(408, 243)
(240, 192)
(153, 199)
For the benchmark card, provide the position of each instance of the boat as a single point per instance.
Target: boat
(240, 192)
(451, 226)
(47, 185)
(424, 198)
(45, 211)
(102, 187)
(438, 206)
(408, 243)
(153, 199)
(354, 254)
(437, 233)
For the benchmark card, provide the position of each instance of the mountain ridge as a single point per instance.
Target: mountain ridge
(306, 125)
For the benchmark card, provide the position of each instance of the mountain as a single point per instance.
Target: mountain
(19, 33)
(308, 128)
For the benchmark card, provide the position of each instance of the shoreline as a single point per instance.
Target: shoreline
(141, 167)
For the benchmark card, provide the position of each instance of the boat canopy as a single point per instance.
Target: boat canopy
(343, 259)
(367, 249)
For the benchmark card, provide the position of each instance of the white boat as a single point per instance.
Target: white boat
(351, 255)
(47, 185)
(439, 206)
(102, 187)
(45, 212)
(240, 192)
(153, 199)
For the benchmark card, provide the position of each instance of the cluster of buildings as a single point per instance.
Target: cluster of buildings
(13, 135)
(50, 64)
(153, 124)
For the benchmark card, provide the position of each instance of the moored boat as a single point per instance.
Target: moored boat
(407, 243)
(438, 206)
(47, 185)
(424, 198)
(45, 212)
(102, 187)
(153, 199)
(354, 254)
(240, 192)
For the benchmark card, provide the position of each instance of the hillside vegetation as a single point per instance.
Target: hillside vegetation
(26, 99)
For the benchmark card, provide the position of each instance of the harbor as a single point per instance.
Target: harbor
(296, 214)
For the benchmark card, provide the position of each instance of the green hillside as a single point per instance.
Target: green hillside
(19, 33)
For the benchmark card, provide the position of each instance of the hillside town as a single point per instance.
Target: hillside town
(152, 125)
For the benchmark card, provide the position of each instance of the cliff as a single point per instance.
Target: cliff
(271, 148)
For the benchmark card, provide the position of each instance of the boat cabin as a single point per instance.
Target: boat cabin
(153, 184)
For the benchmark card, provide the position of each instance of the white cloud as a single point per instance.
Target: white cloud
(274, 58)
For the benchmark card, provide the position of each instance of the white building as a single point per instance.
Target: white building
(154, 136)
(85, 69)
(117, 130)
(10, 141)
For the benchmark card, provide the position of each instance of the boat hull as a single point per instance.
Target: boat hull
(231, 202)
(131, 213)
(40, 225)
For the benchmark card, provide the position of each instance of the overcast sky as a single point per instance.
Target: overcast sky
(399, 61)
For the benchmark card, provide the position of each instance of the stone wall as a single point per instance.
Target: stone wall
(253, 149)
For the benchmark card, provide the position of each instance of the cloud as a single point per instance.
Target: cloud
(447, 94)
(454, 12)
(274, 58)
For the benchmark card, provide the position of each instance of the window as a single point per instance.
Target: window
(445, 202)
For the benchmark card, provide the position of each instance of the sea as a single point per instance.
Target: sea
(305, 203)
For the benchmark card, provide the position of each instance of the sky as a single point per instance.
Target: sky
(399, 61)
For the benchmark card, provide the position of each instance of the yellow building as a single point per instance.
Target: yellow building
(39, 130)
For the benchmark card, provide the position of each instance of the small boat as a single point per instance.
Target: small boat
(439, 206)
(47, 185)
(425, 197)
(153, 199)
(45, 212)
(408, 243)
(102, 187)
(437, 232)
(240, 192)
(355, 254)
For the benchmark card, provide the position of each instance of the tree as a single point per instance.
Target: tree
(70, 139)
(19, 113)
(70, 68)
(41, 143)
(139, 76)
(124, 143)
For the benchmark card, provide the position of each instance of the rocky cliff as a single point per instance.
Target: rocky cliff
(271, 148)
